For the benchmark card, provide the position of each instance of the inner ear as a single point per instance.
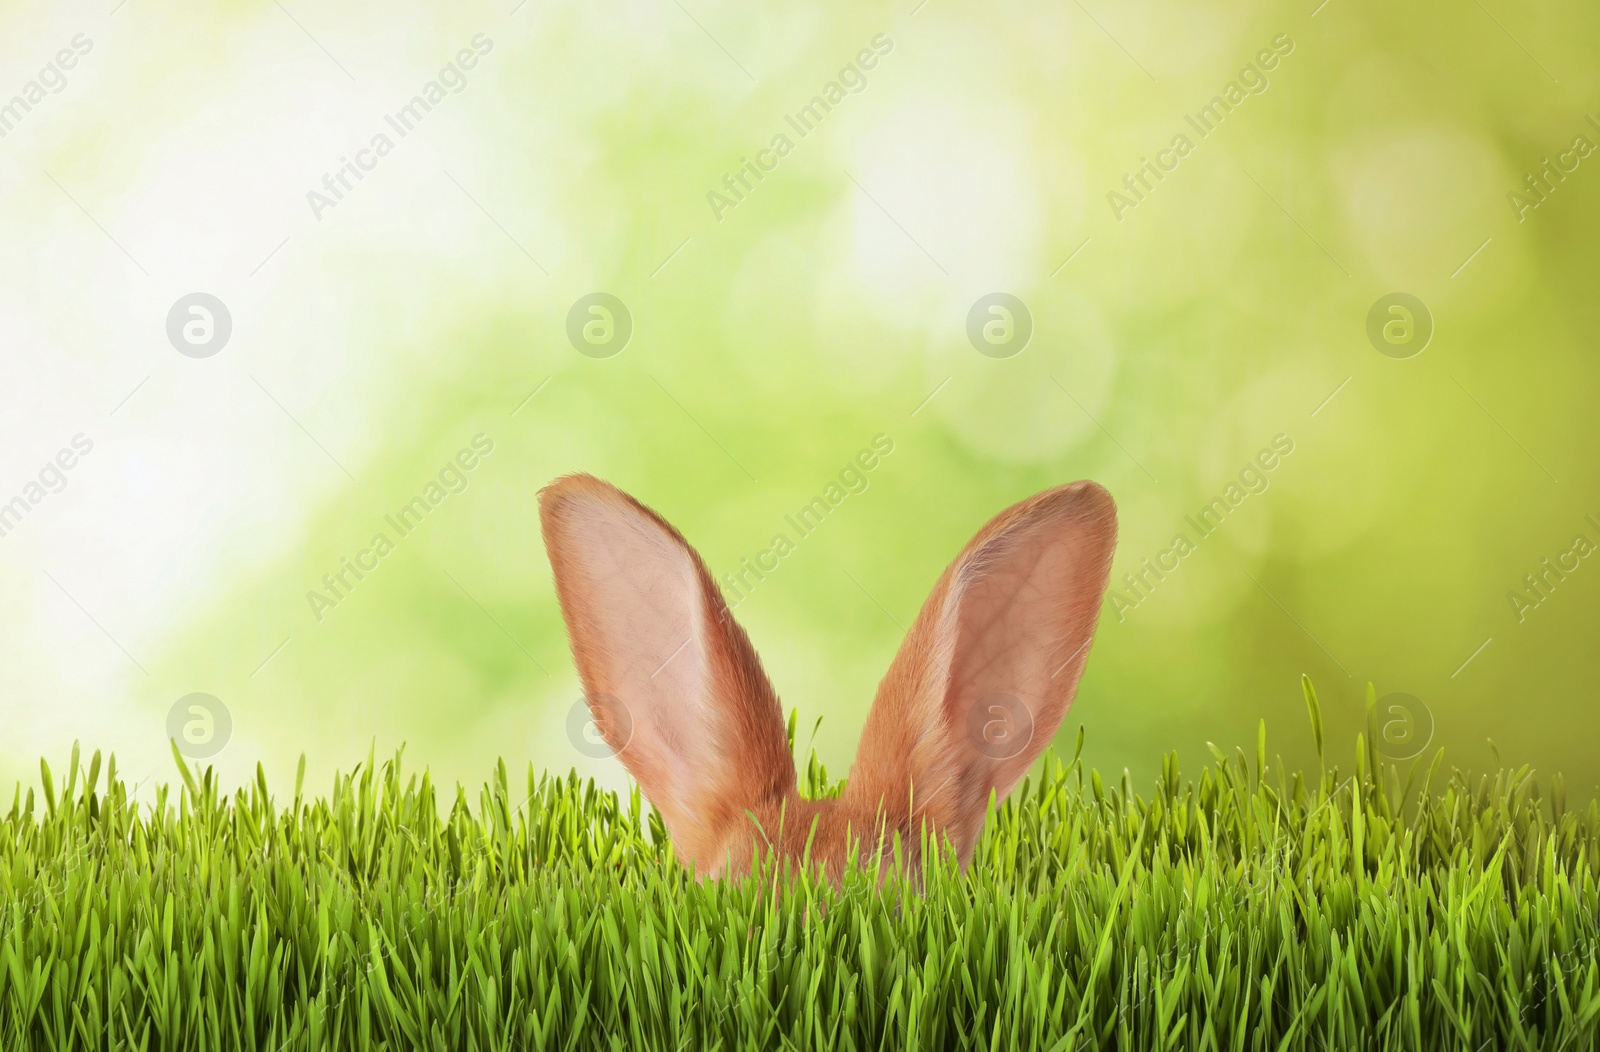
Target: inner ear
(638, 637)
(1021, 617)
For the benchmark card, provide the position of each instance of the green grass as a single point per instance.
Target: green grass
(1251, 908)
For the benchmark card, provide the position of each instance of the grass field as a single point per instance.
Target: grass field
(1248, 908)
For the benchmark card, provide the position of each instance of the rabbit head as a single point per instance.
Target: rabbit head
(975, 694)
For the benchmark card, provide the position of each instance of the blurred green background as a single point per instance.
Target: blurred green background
(1173, 339)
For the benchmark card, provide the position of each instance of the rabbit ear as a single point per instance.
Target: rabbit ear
(988, 670)
(675, 688)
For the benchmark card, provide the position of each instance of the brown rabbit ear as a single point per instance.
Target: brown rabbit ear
(675, 688)
(988, 670)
